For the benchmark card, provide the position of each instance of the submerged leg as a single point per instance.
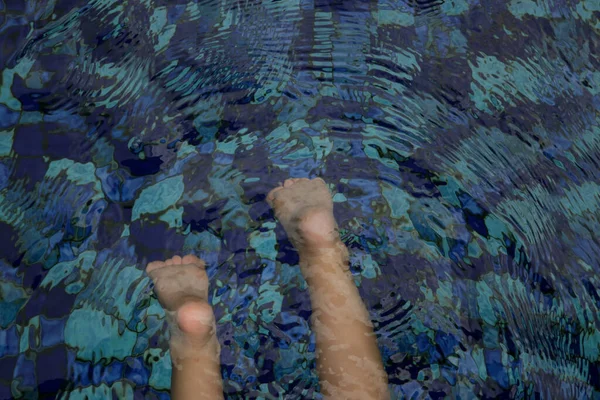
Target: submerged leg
(181, 285)
(348, 359)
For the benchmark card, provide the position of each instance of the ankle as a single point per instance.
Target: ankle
(332, 252)
(184, 350)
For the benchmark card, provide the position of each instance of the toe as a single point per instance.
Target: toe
(173, 286)
(289, 182)
(154, 265)
(272, 193)
(192, 259)
(320, 180)
(169, 261)
(176, 260)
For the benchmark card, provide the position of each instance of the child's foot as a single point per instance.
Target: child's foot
(305, 209)
(181, 285)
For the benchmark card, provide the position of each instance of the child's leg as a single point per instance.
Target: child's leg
(348, 360)
(181, 285)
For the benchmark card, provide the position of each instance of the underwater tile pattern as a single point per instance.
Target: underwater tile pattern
(461, 139)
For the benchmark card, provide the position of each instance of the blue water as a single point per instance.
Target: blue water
(461, 140)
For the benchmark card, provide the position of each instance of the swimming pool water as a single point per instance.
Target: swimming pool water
(461, 139)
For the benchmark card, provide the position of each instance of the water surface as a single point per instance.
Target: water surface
(461, 139)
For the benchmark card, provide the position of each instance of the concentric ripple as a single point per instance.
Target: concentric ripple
(460, 139)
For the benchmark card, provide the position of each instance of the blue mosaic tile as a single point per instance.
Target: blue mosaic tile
(460, 139)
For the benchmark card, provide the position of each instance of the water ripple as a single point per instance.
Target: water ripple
(460, 140)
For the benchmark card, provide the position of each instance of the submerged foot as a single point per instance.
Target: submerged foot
(181, 285)
(305, 209)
